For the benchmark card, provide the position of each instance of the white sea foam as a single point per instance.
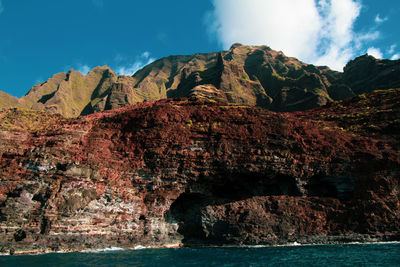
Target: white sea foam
(374, 243)
(102, 250)
(138, 247)
(344, 243)
(268, 246)
(295, 244)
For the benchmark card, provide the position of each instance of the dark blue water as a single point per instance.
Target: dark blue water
(325, 255)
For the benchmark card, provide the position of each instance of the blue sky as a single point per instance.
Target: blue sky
(42, 37)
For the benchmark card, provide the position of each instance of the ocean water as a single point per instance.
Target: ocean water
(310, 255)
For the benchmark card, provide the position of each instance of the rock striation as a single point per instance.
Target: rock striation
(243, 75)
(192, 172)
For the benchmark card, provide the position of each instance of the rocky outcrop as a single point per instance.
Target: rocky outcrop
(70, 94)
(243, 75)
(194, 172)
(366, 73)
(8, 101)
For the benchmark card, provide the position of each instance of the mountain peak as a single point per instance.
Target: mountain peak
(101, 69)
(244, 75)
(71, 70)
(235, 45)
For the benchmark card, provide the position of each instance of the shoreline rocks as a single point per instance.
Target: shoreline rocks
(201, 173)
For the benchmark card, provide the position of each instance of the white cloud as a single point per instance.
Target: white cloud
(395, 56)
(1, 7)
(316, 31)
(38, 80)
(118, 58)
(375, 52)
(140, 62)
(270, 22)
(84, 69)
(146, 54)
(365, 37)
(379, 20)
(392, 49)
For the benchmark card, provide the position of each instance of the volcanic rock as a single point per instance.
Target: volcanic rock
(71, 94)
(8, 101)
(243, 75)
(366, 73)
(194, 172)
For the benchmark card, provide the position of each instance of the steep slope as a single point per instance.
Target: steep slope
(243, 75)
(367, 73)
(8, 101)
(71, 93)
(255, 76)
(197, 172)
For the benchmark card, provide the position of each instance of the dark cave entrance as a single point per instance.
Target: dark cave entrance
(186, 210)
(341, 187)
(238, 186)
(189, 210)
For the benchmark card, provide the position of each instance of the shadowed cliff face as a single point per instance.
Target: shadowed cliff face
(198, 172)
(366, 73)
(243, 75)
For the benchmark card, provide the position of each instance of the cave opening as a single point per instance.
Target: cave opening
(186, 211)
(189, 210)
(341, 187)
(238, 186)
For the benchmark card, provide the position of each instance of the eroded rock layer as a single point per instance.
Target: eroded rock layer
(200, 173)
(244, 75)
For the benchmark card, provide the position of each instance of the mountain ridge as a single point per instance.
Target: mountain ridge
(243, 75)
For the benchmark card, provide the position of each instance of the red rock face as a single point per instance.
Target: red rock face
(201, 173)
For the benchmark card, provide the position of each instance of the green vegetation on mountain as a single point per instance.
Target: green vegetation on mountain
(243, 75)
(8, 101)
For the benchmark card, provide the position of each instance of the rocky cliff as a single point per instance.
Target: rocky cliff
(243, 75)
(194, 172)
(70, 94)
(8, 101)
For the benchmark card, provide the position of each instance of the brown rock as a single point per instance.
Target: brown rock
(243, 75)
(201, 173)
